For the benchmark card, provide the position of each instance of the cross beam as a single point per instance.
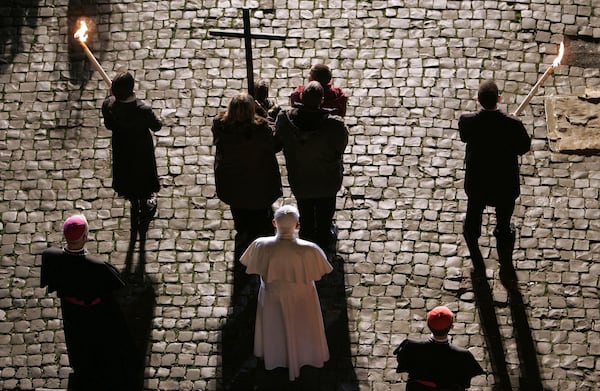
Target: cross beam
(247, 35)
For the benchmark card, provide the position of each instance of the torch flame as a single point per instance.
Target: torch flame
(81, 34)
(558, 58)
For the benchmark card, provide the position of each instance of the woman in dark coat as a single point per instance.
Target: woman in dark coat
(135, 176)
(246, 170)
(247, 179)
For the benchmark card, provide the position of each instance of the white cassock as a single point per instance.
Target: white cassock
(289, 325)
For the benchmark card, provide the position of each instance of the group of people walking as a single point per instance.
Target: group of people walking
(247, 137)
(312, 137)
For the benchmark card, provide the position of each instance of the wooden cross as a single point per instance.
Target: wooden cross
(247, 35)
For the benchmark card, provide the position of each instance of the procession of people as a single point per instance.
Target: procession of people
(278, 254)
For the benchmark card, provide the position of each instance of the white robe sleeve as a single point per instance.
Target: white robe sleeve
(247, 255)
(293, 261)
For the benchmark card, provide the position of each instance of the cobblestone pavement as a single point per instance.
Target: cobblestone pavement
(410, 68)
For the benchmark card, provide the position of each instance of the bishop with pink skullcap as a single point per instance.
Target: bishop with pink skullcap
(99, 344)
(75, 227)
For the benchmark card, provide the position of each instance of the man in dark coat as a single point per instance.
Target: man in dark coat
(135, 175)
(436, 364)
(333, 97)
(494, 142)
(99, 345)
(313, 143)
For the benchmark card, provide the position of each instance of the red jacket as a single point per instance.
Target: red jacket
(334, 98)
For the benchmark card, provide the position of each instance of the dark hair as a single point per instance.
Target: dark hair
(261, 90)
(488, 94)
(440, 333)
(241, 109)
(312, 96)
(320, 73)
(122, 86)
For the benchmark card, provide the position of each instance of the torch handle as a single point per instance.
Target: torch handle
(96, 64)
(533, 90)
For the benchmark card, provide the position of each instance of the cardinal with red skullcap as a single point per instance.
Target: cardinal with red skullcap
(435, 363)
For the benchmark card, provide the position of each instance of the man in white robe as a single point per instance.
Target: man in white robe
(289, 325)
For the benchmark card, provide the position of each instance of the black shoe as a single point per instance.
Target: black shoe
(148, 211)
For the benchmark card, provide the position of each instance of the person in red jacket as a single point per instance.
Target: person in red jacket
(333, 97)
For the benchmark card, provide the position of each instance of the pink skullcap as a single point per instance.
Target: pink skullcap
(440, 318)
(75, 227)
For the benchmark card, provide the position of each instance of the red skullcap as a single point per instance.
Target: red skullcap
(75, 227)
(440, 318)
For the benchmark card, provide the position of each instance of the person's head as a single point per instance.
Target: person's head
(75, 230)
(261, 90)
(286, 219)
(312, 96)
(440, 320)
(241, 108)
(122, 86)
(320, 73)
(488, 94)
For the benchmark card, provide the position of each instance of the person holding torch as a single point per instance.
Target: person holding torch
(135, 176)
(494, 142)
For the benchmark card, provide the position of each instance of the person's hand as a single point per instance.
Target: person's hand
(259, 109)
(274, 111)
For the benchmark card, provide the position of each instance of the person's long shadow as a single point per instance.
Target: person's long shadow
(238, 363)
(491, 331)
(94, 13)
(338, 373)
(15, 16)
(529, 378)
(138, 300)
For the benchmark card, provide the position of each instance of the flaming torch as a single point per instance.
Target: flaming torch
(541, 81)
(81, 35)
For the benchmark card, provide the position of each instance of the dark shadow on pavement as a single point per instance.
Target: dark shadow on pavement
(239, 365)
(338, 373)
(138, 300)
(97, 17)
(530, 378)
(491, 331)
(142, 213)
(15, 15)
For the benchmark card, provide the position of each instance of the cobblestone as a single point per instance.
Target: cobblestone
(410, 67)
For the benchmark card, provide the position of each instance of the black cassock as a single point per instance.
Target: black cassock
(433, 365)
(99, 344)
(134, 163)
